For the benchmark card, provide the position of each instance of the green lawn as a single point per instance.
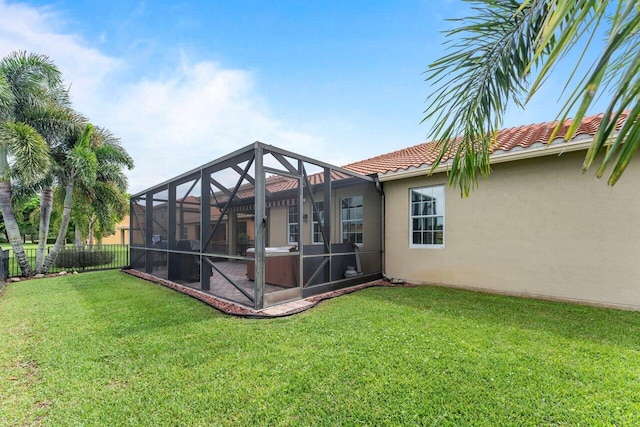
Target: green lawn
(30, 249)
(108, 349)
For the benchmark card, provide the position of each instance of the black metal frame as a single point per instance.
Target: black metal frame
(251, 191)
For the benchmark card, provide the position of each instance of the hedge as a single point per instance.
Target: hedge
(74, 258)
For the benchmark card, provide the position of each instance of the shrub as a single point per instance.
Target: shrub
(80, 258)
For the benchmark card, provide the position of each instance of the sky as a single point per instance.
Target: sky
(182, 83)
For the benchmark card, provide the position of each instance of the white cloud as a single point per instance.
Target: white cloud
(169, 123)
(36, 30)
(199, 113)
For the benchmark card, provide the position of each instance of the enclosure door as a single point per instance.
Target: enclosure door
(282, 272)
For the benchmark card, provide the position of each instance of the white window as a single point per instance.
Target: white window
(318, 219)
(351, 219)
(427, 217)
(293, 228)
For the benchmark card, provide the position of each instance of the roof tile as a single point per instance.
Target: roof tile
(426, 153)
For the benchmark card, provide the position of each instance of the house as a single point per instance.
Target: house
(537, 227)
(121, 236)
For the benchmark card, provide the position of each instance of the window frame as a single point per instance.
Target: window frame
(289, 224)
(314, 222)
(437, 215)
(361, 220)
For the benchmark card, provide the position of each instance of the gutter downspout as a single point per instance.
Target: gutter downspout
(382, 224)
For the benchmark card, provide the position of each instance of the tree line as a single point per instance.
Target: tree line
(52, 153)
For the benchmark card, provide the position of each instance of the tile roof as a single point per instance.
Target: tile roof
(522, 137)
(281, 183)
(274, 184)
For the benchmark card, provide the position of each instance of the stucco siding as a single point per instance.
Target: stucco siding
(536, 227)
(121, 236)
(278, 226)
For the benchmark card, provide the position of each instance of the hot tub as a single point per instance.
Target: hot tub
(280, 270)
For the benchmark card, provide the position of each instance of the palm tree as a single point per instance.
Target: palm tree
(96, 210)
(76, 162)
(89, 165)
(28, 83)
(54, 123)
(105, 203)
(495, 53)
(109, 198)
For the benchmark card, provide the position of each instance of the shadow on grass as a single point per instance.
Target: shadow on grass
(572, 321)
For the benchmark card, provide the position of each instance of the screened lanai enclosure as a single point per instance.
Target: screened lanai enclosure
(259, 227)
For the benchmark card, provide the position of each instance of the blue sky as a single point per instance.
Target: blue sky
(182, 83)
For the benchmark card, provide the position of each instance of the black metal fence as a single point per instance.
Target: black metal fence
(75, 258)
(4, 265)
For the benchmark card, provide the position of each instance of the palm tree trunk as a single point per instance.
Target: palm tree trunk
(92, 223)
(78, 237)
(46, 204)
(12, 230)
(10, 223)
(62, 234)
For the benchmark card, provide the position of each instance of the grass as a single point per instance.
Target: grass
(108, 349)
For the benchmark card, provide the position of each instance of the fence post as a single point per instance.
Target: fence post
(4, 266)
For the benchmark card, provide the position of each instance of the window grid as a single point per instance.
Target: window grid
(351, 213)
(427, 216)
(318, 218)
(293, 229)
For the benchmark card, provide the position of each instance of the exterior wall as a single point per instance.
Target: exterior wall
(372, 230)
(121, 237)
(536, 227)
(278, 226)
(371, 225)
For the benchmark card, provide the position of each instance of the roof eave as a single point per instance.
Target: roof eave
(507, 156)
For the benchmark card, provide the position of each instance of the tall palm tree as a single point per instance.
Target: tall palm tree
(96, 210)
(495, 53)
(28, 83)
(92, 167)
(54, 123)
(105, 203)
(71, 163)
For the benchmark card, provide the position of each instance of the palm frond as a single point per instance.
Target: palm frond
(534, 37)
(6, 99)
(114, 154)
(29, 71)
(621, 66)
(82, 160)
(616, 70)
(21, 192)
(112, 173)
(109, 149)
(54, 122)
(34, 81)
(29, 150)
(489, 61)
